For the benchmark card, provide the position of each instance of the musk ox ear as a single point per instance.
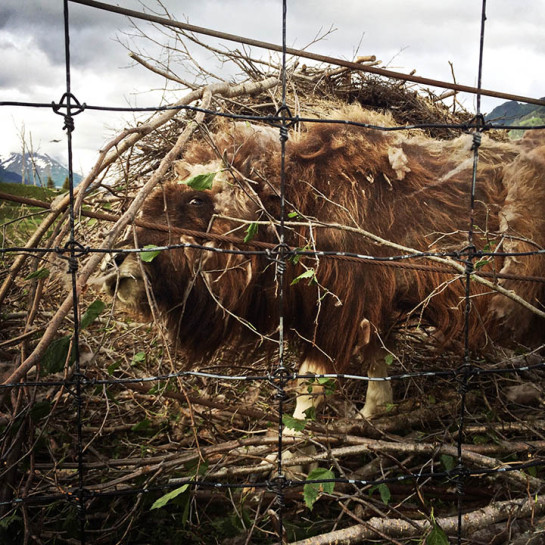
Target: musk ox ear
(398, 162)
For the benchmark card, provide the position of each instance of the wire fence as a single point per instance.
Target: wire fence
(80, 387)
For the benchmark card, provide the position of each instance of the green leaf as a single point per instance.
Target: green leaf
(196, 467)
(200, 182)
(163, 500)
(113, 367)
(437, 536)
(142, 425)
(6, 521)
(389, 359)
(385, 494)
(328, 384)
(149, 256)
(311, 491)
(158, 388)
(297, 257)
(92, 313)
(40, 273)
(56, 355)
(293, 423)
(448, 462)
(251, 232)
(489, 246)
(139, 357)
(310, 273)
(310, 413)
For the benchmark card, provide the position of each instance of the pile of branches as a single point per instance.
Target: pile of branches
(141, 438)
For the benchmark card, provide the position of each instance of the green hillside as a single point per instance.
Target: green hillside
(514, 113)
(18, 221)
(31, 191)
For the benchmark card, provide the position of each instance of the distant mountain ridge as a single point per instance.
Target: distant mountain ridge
(34, 169)
(517, 113)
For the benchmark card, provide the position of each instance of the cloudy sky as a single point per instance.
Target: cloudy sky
(422, 35)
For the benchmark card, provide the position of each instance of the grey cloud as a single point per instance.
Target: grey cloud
(90, 29)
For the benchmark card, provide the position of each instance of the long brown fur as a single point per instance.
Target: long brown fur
(406, 188)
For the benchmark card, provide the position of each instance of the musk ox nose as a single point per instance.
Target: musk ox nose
(126, 281)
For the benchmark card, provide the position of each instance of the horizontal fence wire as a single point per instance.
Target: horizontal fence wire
(275, 120)
(79, 383)
(475, 371)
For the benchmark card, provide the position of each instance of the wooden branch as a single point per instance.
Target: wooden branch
(399, 528)
(445, 261)
(20, 260)
(159, 72)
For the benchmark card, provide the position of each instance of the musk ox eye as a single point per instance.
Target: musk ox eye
(196, 201)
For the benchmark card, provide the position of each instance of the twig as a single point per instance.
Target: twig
(162, 73)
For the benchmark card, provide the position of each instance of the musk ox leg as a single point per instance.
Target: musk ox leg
(379, 393)
(307, 400)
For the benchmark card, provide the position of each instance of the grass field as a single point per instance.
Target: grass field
(18, 221)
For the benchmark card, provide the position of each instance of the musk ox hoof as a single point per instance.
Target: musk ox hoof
(379, 396)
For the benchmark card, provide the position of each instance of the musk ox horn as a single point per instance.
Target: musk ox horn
(126, 282)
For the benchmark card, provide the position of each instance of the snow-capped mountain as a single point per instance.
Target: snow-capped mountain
(34, 169)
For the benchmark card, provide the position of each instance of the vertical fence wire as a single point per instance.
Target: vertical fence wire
(466, 368)
(73, 269)
(280, 272)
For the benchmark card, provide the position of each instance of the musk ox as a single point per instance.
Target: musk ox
(342, 181)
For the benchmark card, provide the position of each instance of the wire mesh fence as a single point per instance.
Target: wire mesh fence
(109, 430)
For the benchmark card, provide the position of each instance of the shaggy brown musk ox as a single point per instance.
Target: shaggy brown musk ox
(403, 187)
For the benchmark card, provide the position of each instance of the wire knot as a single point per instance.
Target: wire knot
(279, 379)
(71, 110)
(277, 485)
(279, 256)
(287, 121)
(76, 250)
(466, 256)
(69, 124)
(477, 139)
(463, 375)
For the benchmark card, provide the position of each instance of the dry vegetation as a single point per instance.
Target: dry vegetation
(141, 439)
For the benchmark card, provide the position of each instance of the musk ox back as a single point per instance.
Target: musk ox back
(342, 180)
